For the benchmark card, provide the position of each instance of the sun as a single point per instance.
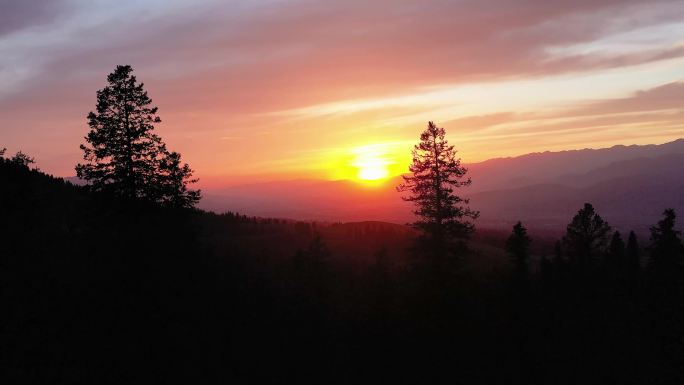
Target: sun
(372, 171)
(371, 163)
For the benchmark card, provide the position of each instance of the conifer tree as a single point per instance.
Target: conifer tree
(632, 252)
(586, 236)
(443, 216)
(616, 252)
(666, 244)
(123, 155)
(632, 261)
(172, 182)
(518, 247)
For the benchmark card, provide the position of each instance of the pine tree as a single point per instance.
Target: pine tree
(123, 155)
(632, 261)
(586, 237)
(173, 180)
(632, 253)
(443, 216)
(666, 244)
(518, 247)
(616, 252)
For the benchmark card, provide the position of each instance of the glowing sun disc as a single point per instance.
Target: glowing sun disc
(371, 163)
(373, 172)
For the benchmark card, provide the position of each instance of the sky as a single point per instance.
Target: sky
(341, 89)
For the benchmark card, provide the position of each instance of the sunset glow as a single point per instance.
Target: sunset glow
(283, 90)
(342, 191)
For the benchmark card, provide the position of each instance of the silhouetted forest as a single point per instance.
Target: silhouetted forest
(97, 289)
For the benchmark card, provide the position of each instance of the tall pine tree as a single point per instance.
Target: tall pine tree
(615, 258)
(123, 155)
(443, 216)
(667, 250)
(586, 237)
(518, 247)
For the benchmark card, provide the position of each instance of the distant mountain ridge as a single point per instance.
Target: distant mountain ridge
(629, 185)
(544, 166)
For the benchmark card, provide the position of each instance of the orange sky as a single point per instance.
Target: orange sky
(267, 90)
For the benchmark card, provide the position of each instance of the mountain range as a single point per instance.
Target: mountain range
(630, 186)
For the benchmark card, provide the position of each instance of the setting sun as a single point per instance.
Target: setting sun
(373, 172)
(371, 162)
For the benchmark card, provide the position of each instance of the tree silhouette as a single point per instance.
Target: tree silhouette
(586, 236)
(518, 247)
(632, 261)
(173, 180)
(123, 155)
(632, 252)
(443, 216)
(22, 159)
(666, 244)
(71, 260)
(616, 252)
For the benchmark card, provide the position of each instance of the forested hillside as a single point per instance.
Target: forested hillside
(96, 289)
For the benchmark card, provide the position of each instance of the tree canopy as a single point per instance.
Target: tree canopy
(666, 242)
(586, 236)
(518, 246)
(443, 216)
(123, 154)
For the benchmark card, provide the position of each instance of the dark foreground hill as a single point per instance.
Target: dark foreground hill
(94, 290)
